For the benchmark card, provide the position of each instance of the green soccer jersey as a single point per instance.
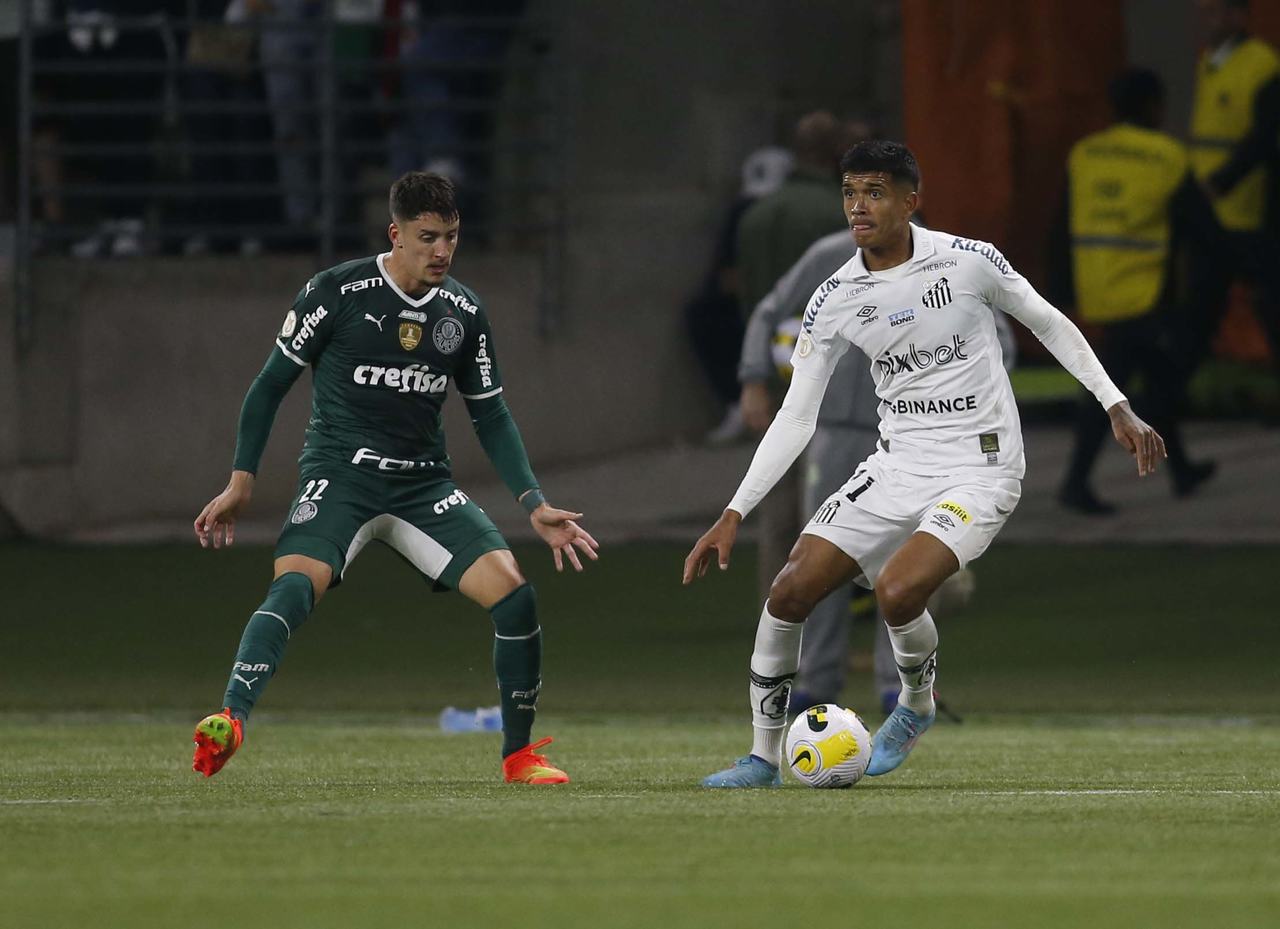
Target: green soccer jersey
(383, 362)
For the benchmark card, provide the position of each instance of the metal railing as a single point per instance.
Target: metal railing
(136, 125)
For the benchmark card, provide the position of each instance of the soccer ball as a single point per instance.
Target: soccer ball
(828, 746)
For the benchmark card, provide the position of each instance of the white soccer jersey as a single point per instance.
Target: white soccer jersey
(946, 405)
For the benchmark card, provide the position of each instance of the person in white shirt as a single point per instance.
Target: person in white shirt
(947, 471)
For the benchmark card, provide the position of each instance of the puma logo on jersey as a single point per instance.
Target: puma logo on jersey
(377, 322)
(247, 683)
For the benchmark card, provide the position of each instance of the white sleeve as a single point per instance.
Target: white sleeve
(818, 349)
(1011, 292)
(783, 442)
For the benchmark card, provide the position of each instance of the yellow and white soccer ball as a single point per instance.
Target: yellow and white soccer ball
(828, 746)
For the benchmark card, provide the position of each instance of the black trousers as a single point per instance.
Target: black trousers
(1135, 346)
(1249, 256)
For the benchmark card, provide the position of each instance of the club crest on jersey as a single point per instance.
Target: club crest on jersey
(447, 335)
(410, 336)
(937, 294)
(290, 324)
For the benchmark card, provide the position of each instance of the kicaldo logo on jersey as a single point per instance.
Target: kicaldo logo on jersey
(484, 363)
(919, 359)
(414, 378)
(457, 498)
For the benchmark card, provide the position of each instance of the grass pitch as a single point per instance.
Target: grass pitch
(1119, 764)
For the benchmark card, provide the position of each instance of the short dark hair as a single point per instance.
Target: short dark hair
(421, 192)
(893, 158)
(1134, 92)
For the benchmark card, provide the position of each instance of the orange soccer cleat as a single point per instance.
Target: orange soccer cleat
(525, 767)
(217, 738)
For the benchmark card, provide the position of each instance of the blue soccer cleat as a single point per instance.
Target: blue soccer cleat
(746, 772)
(895, 739)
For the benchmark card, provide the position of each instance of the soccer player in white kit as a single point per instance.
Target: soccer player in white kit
(948, 468)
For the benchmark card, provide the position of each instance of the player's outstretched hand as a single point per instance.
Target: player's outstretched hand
(719, 538)
(558, 529)
(216, 523)
(1139, 439)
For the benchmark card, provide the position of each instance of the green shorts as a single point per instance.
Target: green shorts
(340, 508)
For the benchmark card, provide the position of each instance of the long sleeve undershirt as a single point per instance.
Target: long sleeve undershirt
(501, 441)
(258, 411)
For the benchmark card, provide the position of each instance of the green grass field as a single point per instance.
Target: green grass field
(1119, 764)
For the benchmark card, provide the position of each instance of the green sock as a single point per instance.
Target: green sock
(517, 661)
(288, 602)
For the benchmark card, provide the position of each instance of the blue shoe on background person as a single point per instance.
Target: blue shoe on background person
(895, 739)
(746, 772)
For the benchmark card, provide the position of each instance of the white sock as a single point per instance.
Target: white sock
(773, 667)
(915, 649)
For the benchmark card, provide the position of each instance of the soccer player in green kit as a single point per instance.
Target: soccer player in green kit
(384, 337)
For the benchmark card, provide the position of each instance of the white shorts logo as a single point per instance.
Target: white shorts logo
(305, 512)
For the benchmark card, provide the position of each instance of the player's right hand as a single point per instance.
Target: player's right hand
(719, 538)
(216, 523)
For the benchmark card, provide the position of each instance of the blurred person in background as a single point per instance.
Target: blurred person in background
(288, 50)
(713, 316)
(772, 236)
(847, 428)
(1132, 207)
(453, 53)
(220, 70)
(126, 33)
(1235, 128)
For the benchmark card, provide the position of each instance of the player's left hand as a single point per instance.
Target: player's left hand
(558, 529)
(1139, 439)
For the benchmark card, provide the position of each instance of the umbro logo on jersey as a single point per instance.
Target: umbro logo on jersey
(937, 295)
(377, 322)
(868, 315)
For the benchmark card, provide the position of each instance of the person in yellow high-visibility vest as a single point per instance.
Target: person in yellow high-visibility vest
(1235, 154)
(1132, 204)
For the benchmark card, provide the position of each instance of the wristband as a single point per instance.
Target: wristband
(531, 500)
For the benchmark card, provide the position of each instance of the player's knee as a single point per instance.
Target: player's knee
(516, 614)
(900, 600)
(788, 599)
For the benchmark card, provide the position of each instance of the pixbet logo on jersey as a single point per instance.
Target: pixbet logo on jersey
(918, 359)
(415, 378)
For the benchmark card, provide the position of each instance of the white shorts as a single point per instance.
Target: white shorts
(879, 508)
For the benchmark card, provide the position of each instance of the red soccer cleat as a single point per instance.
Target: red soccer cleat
(217, 738)
(525, 767)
